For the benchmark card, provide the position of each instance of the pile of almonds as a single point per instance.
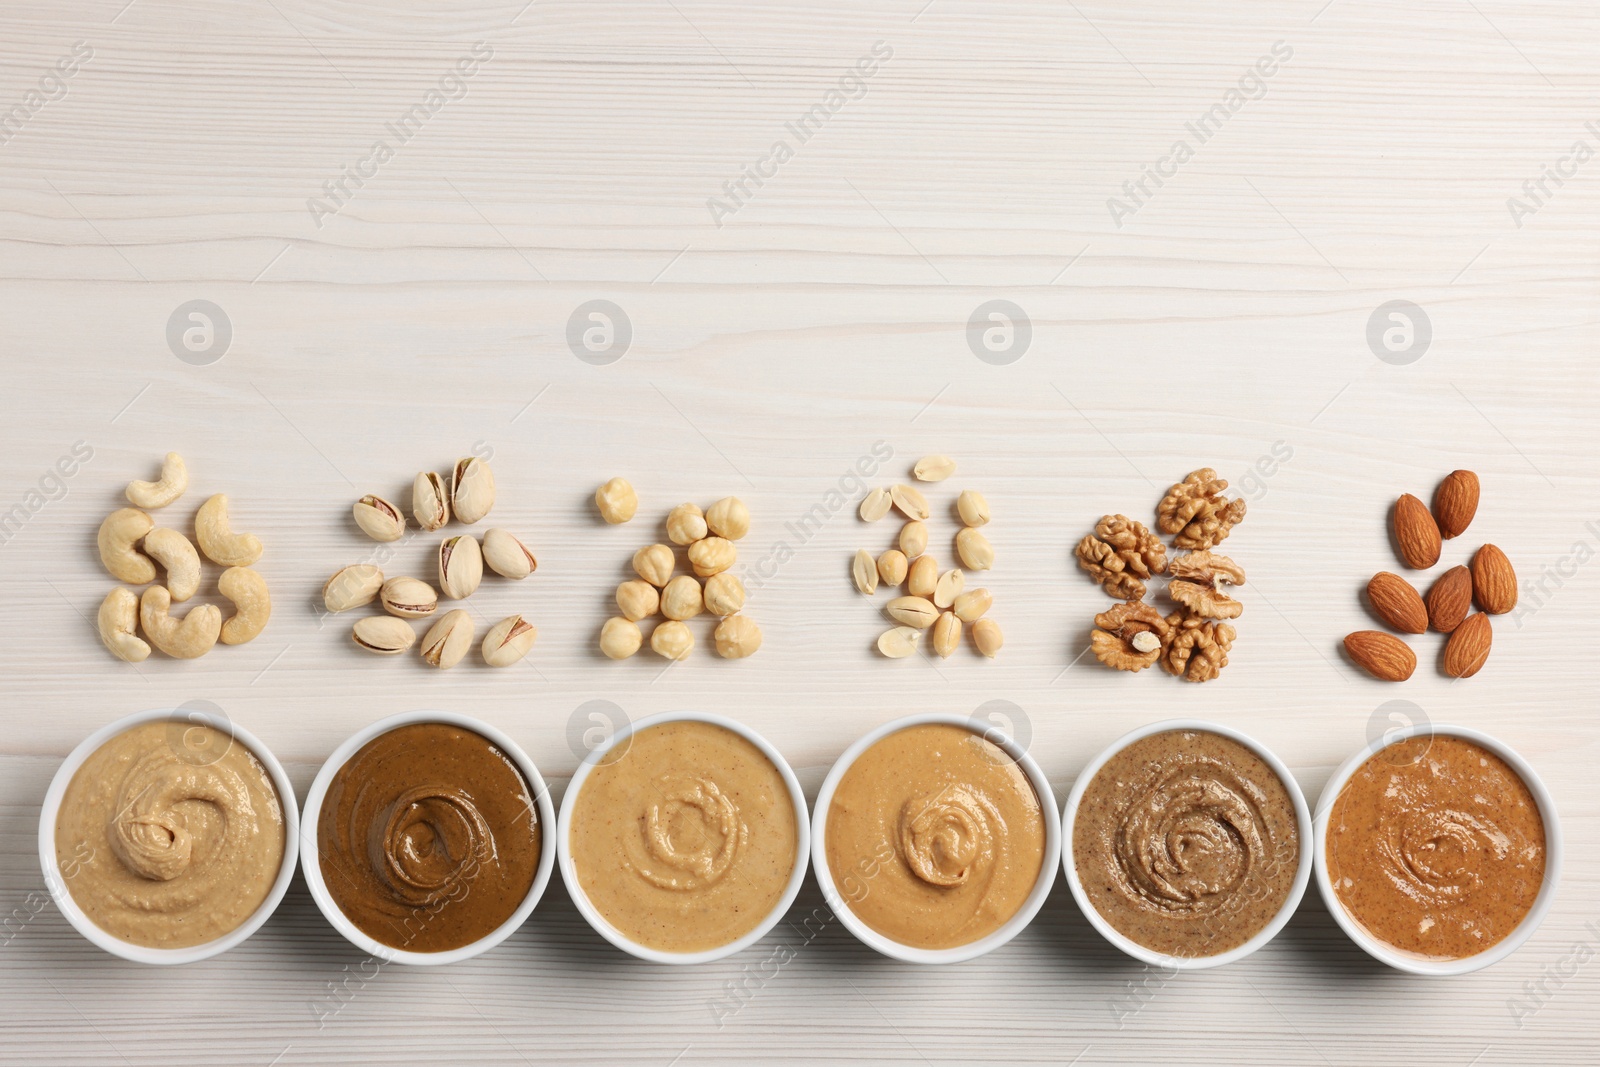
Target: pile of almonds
(1490, 581)
(707, 538)
(1193, 641)
(460, 569)
(129, 540)
(940, 602)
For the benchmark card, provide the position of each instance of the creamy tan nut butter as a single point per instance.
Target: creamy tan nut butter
(935, 837)
(1187, 843)
(1436, 847)
(684, 837)
(170, 835)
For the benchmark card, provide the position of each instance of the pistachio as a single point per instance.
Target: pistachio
(186, 638)
(507, 556)
(252, 604)
(933, 468)
(471, 489)
(408, 598)
(378, 519)
(158, 494)
(655, 563)
(922, 577)
(637, 599)
(712, 555)
(949, 586)
(973, 508)
(969, 607)
(430, 504)
(686, 524)
(987, 637)
(899, 642)
(672, 639)
(447, 640)
(117, 621)
(892, 567)
(508, 641)
(352, 587)
(620, 638)
(864, 570)
(910, 501)
(974, 549)
(682, 598)
(875, 505)
(728, 518)
(946, 634)
(736, 637)
(913, 611)
(724, 594)
(617, 501)
(384, 634)
(460, 567)
(120, 531)
(914, 538)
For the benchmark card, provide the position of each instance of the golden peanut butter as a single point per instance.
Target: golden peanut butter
(684, 837)
(170, 835)
(935, 837)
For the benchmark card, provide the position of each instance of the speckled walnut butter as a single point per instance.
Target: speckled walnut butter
(1187, 843)
(684, 837)
(170, 835)
(935, 837)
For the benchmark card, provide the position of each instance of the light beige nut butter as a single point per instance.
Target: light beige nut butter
(170, 835)
(935, 837)
(684, 837)
(1436, 847)
(1187, 843)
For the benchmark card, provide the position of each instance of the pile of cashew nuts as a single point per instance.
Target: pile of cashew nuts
(130, 540)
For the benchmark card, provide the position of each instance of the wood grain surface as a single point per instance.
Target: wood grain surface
(782, 330)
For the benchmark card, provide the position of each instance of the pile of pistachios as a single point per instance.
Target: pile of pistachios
(468, 499)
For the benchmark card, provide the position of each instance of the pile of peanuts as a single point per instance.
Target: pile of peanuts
(707, 537)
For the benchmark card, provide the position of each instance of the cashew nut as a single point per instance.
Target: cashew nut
(123, 529)
(218, 541)
(186, 638)
(174, 552)
(252, 605)
(119, 614)
(169, 487)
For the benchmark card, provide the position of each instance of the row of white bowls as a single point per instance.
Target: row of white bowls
(301, 843)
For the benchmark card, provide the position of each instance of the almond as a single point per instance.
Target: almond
(1468, 648)
(1455, 502)
(1450, 599)
(1397, 603)
(1494, 583)
(1384, 656)
(1416, 534)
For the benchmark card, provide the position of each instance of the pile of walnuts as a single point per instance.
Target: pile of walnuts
(1191, 641)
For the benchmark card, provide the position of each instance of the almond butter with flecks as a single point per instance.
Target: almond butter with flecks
(1455, 502)
(1415, 533)
(1450, 599)
(1384, 656)
(1468, 648)
(1397, 603)
(1494, 582)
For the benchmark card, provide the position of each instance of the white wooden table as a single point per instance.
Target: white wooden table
(774, 339)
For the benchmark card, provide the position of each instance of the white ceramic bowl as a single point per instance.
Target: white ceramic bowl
(1161, 959)
(311, 862)
(603, 927)
(1387, 953)
(1013, 926)
(140, 953)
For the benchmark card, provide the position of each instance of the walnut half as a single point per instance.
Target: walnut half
(1196, 513)
(1197, 583)
(1119, 554)
(1199, 647)
(1130, 636)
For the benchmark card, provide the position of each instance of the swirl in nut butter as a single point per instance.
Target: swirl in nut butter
(1186, 842)
(428, 838)
(1437, 847)
(170, 838)
(685, 838)
(935, 838)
